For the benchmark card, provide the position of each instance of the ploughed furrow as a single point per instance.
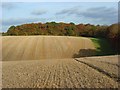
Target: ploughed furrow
(109, 70)
(55, 73)
(111, 63)
(85, 77)
(113, 59)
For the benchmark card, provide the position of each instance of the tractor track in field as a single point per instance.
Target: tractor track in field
(114, 77)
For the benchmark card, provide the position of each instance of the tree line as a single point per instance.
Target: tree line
(111, 32)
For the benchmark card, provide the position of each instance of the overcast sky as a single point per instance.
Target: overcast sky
(16, 13)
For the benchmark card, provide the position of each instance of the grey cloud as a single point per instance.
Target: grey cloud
(21, 21)
(6, 23)
(39, 12)
(102, 14)
(108, 15)
(68, 11)
(8, 5)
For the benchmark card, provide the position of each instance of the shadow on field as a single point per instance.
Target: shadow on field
(85, 53)
(103, 47)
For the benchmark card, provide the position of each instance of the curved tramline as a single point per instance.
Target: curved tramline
(44, 47)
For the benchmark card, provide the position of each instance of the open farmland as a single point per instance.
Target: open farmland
(52, 62)
(105, 64)
(55, 73)
(44, 47)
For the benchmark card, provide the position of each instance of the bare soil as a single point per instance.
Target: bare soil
(49, 62)
(42, 47)
(56, 73)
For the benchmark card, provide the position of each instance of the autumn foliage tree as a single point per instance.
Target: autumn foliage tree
(114, 36)
(112, 32)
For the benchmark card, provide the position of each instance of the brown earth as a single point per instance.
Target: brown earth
(44, 47)
(57, 73)
(50, 62)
